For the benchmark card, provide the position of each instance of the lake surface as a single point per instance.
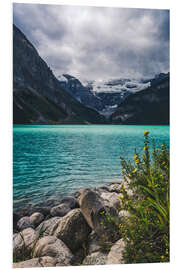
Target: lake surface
(55, 160)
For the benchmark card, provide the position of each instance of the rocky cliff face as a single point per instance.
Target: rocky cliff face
(83, 94)
(37, 94)
(147, 107)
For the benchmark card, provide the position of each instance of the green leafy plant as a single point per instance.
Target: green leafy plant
(146, 230)
(111, 232)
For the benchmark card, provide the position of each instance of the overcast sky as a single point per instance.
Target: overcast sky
(97, 43)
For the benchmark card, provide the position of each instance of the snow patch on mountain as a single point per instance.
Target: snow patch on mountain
(117, 85)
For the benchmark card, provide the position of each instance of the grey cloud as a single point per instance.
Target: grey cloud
(97, 43)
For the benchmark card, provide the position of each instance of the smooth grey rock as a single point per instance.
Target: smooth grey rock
(36, 218)
(101, 189)
(47, 227)
(73, 229)
(24, 242)
(53, 247)
(95, 211)
(91, 206)
(115, 255)
(60, 210)
(45, 261)
(69, 201)
(112, 199)
(96, 258)
(24, 223)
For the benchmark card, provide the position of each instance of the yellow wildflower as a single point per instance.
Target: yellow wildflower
(162, 257)
(146, 132)
(134, 171)
(137, 161)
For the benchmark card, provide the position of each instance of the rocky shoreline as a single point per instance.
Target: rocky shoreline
(72, 232)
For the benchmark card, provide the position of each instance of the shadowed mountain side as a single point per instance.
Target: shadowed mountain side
(37, 95)
(147, 107)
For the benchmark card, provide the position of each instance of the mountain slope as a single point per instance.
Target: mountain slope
(147, 107)
(37, 95)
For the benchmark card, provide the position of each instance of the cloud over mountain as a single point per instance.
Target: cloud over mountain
(97, 42)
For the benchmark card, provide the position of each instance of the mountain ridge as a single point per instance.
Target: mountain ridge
(35, 84)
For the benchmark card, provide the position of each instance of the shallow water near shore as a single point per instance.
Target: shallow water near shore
(51, 161)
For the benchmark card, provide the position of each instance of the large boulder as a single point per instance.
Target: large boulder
(73, 229)
(91, 206)
(53, 247)
(95, 211)
(96, 258)
(24, 223)
(37, 262)
(70, 201)
(36, 218)
(111, 199)
(24, 242)
(60, 210)
(48, 227)
(115, 255)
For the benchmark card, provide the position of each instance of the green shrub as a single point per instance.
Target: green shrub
(146, 230)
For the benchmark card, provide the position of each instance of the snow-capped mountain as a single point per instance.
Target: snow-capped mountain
(105, 95)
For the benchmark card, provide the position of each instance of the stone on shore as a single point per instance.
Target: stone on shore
(73, 229)
(91, 206)
(101, 189)
(60, 210)
(23, 242)
(112, 199)
(96, 258)
(24, 223)
(37, 262)
(69, 201)
(115, 255)
(36, 218)
(78, 193)
(47, 227)
(53, 247)
(94, 210)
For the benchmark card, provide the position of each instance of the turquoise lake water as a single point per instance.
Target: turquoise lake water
(51, 161)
